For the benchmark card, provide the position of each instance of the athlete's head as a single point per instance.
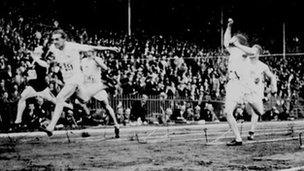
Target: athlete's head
(89, 54)
(258, 49)
(39, 100)
(144, 98)
(59, 37)
(242, 39)
(38, 51)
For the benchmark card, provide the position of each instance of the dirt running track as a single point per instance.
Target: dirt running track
(167, 148)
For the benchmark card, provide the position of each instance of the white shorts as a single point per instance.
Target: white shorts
(254, 100)
(101, 95)
(235, 91)
(253, 94)
(89, 90)
(254, 97)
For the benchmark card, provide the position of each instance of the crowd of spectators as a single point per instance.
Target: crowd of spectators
(150, 65)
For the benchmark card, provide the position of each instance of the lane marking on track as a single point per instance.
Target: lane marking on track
(161, 132)
(171, 138)
(293, 168)
(258, 141)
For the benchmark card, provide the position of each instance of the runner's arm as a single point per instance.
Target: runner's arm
(273, 80)
(83, 47)
(36, 58)
(227, 35)
(100, 62)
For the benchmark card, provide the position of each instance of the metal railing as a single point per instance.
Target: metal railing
(155, 104)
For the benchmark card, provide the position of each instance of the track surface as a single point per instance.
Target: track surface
(179, 147)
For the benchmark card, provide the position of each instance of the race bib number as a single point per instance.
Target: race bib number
(32, 74)
(68, 67)
(89, 79)
(257, 80)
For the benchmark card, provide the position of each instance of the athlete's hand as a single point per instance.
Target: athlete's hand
(274, 89)
(233, 41)
(37, 53)
(35, 56)
(236, 43)
(38, 50)
(115, 49)
(230, 22)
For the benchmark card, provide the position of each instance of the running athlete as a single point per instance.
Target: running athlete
(93, 85)
(37, 85)
(258, 71)
(238, 73)
(67, 55)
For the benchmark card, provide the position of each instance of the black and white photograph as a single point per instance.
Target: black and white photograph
(151, 85)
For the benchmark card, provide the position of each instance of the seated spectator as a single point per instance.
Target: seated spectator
(170, 90)
(126, 116)
(5, 112)
(197, 113)
(120, 113)
(99, 117)
(168, 114)
(32, 116)
(43, 108)
(271, 114)
(239, 112)
(284, 115)
(182, 107)
(189, 114)
(139, 109)
(70, 118)
(209, 114)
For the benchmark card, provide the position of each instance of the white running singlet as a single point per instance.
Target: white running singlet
(69, 61)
